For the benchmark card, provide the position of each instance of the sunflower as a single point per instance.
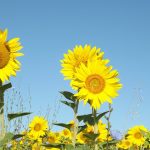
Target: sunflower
(66, 133)
(78, 55)
(103, 132)
(96, 83)
(124, 144)
(52, 137)
(81, 138)
(136, 135)
(8, 54)
(38, 126)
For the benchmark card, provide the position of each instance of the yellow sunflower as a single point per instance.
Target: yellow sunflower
(136, 135)
(66, 133)
(38, 126)
(81, 138)
(52, 137)
(96, 83)
(103, 132)
(124, 144)
(8, 54)
(79, 55)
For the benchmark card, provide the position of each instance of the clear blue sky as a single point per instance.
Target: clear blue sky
(48, 28)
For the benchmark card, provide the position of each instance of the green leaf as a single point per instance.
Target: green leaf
(17, 136)
(90, 118)
(5, 87)
(113, 142)
(101, 115)
(8, 137)
(15, 115)
(72, 105)
(69, 147)
(78, 147)
(68, 126)
(1, 106)
(81, 128)
(86, 119)
(68, 95)
(91, 136)
(53, 145)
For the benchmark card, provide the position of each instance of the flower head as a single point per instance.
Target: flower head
(124, 144)
(136, 135)
(38, 126)
(96, 83)
(8, 54)
(78, 55)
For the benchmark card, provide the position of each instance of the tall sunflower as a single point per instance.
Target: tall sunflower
(136, 135)
(78, 55)
(96, 83)
(8, 54)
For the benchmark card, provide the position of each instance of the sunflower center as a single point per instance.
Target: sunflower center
(138, 135)
(37, 127)
(4, 56)
(127, 143)
(95, 83)
(51, 139)
(66, 132)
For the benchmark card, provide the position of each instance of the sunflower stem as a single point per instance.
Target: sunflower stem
(108, 125)
(2, 120)
(2, 126)
(75, 127)
(94, 112)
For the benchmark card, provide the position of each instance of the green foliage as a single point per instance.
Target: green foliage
(72, 105)
(78, 147)
(68, 126)
(17, 136)
(91, 136)
(90, 118)
(81, 128)
(8, 137)
(68, 95)
(113, 142)
(61, 146)
(15, 115)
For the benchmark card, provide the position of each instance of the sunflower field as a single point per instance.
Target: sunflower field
(94, 82)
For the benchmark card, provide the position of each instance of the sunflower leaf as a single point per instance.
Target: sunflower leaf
(53, 145)
(101, 115)
(113, 142)
(86, 118)
(91, 136)
(5, 87)
(81, 128)
(17, 136)
(72, 105)
(68, 126)
(68, 95)
(15, 115)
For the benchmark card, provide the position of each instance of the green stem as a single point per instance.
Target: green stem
(2, 126)
(2, 120)
(94, 112)
(109, 126)
(75, 128)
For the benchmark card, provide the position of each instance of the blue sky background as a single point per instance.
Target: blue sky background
(48, 28)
